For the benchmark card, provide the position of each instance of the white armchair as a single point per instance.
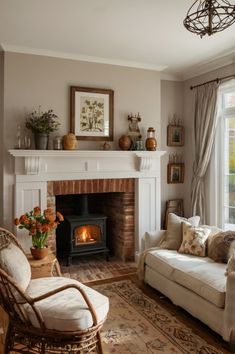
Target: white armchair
(47, 315)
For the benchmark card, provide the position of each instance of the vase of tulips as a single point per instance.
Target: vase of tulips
(40, 225)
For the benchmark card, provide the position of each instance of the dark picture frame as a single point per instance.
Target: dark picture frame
(175, 135)
(175, 206)
(175, 173)
(91, 113)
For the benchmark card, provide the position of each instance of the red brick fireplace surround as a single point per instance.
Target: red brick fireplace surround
(117, 198)
(128, 182)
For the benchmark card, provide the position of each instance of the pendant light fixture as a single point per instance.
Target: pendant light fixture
(209, 16)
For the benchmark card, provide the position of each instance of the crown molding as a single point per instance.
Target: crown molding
(210, 65)
(197, 70)
(81, 57)
(164, 76)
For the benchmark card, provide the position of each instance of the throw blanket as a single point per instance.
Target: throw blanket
(141, 263)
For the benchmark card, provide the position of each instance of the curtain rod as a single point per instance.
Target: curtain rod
(218, 79)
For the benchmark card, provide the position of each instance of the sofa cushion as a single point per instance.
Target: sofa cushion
(173, 238)
(207, 280)
(166, 261)
(153, 238)
(219, 246)
(65, 311)
(194, 240)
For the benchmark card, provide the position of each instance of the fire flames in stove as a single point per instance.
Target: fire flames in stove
(87, 234)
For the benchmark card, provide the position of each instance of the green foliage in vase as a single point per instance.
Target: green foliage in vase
(42, 122)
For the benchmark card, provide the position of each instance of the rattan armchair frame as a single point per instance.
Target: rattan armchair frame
(23, 337)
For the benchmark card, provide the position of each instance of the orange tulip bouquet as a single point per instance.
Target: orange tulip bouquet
(39, 224)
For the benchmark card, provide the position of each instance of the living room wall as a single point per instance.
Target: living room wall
(27, 81)
(33, 80)
(1, 129)
(189, 115)
(171, 104)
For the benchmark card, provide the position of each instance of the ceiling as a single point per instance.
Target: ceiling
(138, 33)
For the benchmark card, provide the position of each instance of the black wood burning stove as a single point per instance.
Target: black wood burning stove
(83, 234)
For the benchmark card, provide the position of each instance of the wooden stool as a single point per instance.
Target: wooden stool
(47, 267)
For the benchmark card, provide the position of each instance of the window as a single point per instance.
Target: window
(225, 155)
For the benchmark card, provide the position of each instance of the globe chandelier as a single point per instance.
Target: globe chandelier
(209, 16)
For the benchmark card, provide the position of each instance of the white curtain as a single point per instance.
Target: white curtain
(205, 119)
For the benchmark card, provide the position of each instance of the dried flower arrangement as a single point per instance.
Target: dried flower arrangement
(42, 122)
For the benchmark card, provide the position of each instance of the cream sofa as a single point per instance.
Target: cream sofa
(197, 284)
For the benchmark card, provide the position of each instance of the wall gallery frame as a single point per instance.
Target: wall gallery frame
(175, 173)
(175, 135)
(91, 113)
(175, 206)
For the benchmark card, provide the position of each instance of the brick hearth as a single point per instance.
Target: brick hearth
(116, 196)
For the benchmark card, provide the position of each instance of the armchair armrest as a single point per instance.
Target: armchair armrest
(154, 238)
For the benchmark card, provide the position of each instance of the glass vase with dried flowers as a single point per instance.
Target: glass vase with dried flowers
(42, 124)
(40, 225)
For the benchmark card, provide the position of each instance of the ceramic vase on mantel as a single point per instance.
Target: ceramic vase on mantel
(41, 141)
(39, 253)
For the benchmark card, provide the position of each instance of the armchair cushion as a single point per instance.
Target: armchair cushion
(66, 310)
(14, 262)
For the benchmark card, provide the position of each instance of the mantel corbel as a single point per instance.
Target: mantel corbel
(32, 165)
(146, 159)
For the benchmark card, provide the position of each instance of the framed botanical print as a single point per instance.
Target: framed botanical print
(175, 135)
(91, 113)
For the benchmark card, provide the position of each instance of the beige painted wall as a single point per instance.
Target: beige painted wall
(171, 103)
(1, 131)
(188, 114)
(32, 80)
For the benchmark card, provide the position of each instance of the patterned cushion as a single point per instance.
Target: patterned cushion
(173, 237)
(14, 262)
(65, 311)
(219, 246)
(194, 240)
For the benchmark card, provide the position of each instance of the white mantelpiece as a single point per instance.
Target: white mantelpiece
(51, 162)
(34, 168)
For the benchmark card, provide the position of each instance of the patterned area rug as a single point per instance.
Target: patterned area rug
(136, 324)
(88, 270)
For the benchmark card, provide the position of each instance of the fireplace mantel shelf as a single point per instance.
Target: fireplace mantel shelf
(41, 162)
(85, 153)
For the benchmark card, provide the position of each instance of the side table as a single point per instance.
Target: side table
(47, 267)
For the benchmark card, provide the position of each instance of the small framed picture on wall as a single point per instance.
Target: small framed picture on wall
(175, 135)
(175, 173)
